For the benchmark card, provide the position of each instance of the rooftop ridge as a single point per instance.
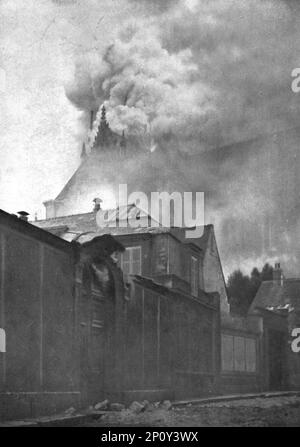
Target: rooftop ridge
(63, 217)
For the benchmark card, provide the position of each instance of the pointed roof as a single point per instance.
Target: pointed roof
(92, 162)
(95, 171)
(276, 297)
(105, 136)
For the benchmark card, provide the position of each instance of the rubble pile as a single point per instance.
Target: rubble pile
(118, 414)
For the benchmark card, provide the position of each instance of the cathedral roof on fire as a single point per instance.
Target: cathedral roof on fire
(105, 136)
(108, 161)
(105, 144)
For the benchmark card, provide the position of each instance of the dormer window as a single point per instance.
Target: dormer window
(194, 276)
(131, 261)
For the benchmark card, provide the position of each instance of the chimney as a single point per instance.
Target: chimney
(277, 274)
(50, 206)
(97, 204)
(23, 215)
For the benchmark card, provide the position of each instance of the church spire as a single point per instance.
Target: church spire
(104, 134)
(103, 122)
(103, 114)
(105, 137)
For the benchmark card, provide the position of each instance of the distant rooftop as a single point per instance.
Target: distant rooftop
(276, 297)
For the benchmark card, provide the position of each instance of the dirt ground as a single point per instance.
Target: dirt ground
(258, 412)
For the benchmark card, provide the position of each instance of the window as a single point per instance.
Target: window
(131, 261)
(2, 341)
(194, 276)
(238, 353)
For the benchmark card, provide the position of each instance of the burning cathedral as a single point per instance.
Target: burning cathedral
(127, 312)
(232, 349)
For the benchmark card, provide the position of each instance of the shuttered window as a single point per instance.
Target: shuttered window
(131, 261)
(238, 354)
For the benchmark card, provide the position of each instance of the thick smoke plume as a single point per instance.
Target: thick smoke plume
(214, 72)
(200, 75)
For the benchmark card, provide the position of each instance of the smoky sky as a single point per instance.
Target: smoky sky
(192, 80)
(213, 73)
(200, 77)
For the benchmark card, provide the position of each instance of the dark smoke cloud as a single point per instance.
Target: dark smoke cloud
(214, 74)
(245, 52)
(202, 75)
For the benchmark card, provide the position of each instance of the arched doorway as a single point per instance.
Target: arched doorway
(100, 290)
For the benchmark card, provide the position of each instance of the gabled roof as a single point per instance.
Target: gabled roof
(120, 213)
(85, 224)
(273, 296)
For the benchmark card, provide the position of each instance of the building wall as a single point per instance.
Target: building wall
(163, 257)
(170, 256)
(97, 317)
(275, 368)
(213, 278)
(70, 341)
(170, 345)
(37, 314)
